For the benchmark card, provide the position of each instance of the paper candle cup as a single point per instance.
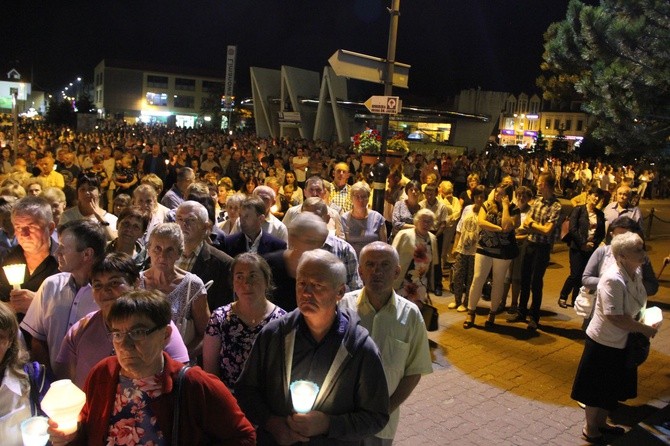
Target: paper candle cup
(15, 274)
(62, 403)
(34, 431)
(303, 395)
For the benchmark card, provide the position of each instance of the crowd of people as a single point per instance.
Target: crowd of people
(262, 261)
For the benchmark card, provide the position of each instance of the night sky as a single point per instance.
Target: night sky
(492, 44)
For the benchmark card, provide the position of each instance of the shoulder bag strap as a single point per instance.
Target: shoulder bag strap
(177, 404)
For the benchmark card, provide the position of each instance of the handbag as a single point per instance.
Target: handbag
(185, 324)
(584, 302)
(430, 315)
(565, 231)
(176, 389)
(636, 350)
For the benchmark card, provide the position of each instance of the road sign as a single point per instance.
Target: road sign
(386, 105)
(367, 68)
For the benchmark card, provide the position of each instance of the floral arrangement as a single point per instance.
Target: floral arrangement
(370, 141)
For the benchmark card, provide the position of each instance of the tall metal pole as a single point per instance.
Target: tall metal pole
(381, 169)
(15, 118)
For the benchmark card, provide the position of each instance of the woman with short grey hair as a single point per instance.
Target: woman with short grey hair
(185, 291)
(604, 376)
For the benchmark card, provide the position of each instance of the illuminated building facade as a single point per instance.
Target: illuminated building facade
(525, 117)
(144, 93)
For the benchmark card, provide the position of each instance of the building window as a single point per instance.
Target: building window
(184, 84)
(557, 124)
(157, 99)
(157, 81)
(580, 125)
(547, 124)
(210, 86)
(568, 124)
(184, 101)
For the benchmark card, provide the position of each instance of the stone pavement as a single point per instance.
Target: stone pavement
(511, 387)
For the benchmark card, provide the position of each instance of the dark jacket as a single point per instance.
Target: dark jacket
(356, 398)
(237, 243)
(159, 167)
(579, 227)
(212, 264)
(208, 409)
(32, 282)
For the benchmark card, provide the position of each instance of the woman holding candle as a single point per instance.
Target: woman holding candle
(139, 330)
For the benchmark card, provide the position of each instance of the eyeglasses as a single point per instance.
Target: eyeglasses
(135, 335)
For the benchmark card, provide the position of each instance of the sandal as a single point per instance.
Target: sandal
(469, 320)
(596, 439)
(612, 430)
(563, 303)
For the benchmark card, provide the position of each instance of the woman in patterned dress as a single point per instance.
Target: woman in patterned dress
(233, 328)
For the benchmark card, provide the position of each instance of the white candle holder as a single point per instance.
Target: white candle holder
(15, 274)
(62, 403)
(303, 395)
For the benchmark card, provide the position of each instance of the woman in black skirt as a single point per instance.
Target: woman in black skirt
(603, 379)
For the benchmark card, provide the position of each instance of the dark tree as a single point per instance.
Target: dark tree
(616, 56)
(60, 113)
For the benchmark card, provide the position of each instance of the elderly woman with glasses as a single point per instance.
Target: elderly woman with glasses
(362, 225)
(185, 291)
(86, 342)
(605, 376)
(140, 395)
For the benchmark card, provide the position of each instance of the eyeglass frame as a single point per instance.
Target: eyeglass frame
(118, 337)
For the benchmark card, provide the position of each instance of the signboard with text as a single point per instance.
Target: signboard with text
(384, 105)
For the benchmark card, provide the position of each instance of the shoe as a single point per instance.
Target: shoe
(599, 439)
(469, 320)
(452, 305)
(582, 405)
(438, 291)
(461, 308)
(532, 325)
(563, 303)
(612, 430)
(513, 309)
(516, 318)
(500, 310)
(491, 321)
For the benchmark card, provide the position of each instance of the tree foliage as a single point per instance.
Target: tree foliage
(616, 57)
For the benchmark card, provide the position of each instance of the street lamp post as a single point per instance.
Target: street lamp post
(381, 169)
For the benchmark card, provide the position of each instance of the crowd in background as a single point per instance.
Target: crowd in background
(180, 204)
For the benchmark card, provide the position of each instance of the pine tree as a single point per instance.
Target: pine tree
(616, 57)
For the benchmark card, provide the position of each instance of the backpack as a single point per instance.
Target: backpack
(37, 377)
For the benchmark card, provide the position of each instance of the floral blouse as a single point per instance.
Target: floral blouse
(415, 284)
(236, 340)
(132, 421)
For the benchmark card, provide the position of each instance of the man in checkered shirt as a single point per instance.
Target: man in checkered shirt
(541, 223)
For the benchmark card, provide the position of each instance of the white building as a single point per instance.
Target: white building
(141, 92)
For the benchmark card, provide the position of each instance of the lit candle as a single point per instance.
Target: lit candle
(15, 274)
(62, 403)
(303, 395)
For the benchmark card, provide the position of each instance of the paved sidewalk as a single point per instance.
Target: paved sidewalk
(512, 387)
